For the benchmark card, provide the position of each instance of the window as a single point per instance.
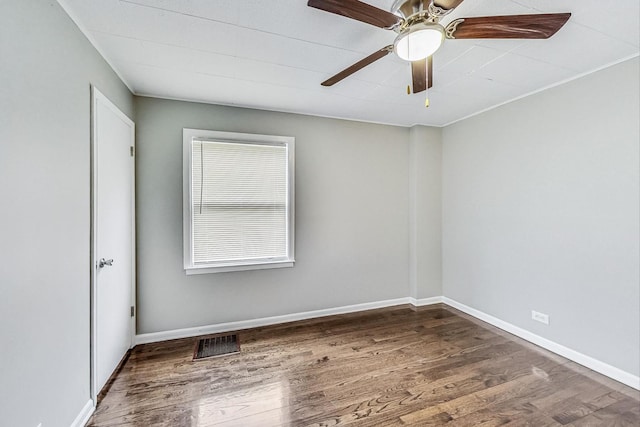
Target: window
(238, 201)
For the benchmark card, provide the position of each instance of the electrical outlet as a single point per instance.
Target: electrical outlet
(540, 317)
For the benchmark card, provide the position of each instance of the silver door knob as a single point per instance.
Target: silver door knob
(104, 262)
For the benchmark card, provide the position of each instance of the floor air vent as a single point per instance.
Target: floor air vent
(216, 346)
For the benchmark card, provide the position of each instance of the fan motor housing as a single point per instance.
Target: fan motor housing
(418, 10)
(406, 8)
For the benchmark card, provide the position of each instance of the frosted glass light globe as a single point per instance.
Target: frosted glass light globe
(419, 41)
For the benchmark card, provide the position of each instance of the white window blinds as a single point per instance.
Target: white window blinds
(239, 203)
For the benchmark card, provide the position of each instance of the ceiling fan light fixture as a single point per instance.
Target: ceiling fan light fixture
(419, 41)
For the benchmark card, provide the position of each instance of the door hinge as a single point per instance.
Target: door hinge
(133, 311)
(132, 150)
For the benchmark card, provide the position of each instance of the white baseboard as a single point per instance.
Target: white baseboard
(575, 356)
(420, 302)
(84, 415)
(582, 359)
(264, 321)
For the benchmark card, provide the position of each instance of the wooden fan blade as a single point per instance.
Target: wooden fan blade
(448, 4)
(358, 66)
(541, 26)
(357, 10)
(419, 75)
(429, 72)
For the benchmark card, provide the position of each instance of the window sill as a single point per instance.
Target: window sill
(207, 269)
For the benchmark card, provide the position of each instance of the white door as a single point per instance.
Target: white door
(113, 238)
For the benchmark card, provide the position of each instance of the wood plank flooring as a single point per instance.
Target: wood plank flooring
(398, 366)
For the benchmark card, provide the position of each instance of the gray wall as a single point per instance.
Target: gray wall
(540, 211)
(352, 202)
(46, 68)
(425, 212)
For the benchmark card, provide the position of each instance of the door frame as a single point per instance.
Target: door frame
(96, 97)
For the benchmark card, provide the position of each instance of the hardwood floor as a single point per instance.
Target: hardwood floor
(398, 366)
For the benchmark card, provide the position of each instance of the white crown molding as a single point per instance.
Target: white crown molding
(84, 30)
(542, 89)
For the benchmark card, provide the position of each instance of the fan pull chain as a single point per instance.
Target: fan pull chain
(426, 92)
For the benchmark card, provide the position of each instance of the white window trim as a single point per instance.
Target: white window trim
(187, 137)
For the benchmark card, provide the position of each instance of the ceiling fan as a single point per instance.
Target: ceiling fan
(420, 35)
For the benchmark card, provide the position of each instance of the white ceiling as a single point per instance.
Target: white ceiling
(273, 54)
